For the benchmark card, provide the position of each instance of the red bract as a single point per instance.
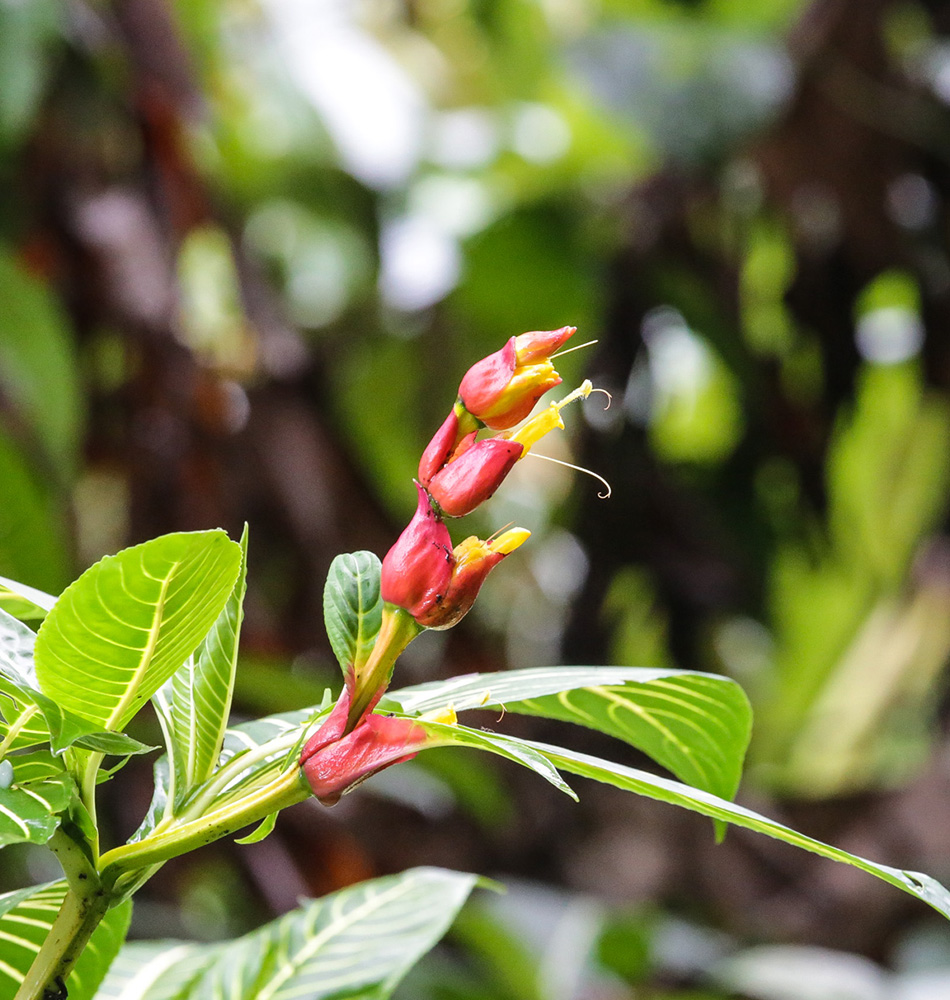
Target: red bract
(469, 480)
(378, 741)
(450, 441)
(416, 570)
(501, 390)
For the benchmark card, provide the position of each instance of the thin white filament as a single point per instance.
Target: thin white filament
(576, 347)
(576, 468)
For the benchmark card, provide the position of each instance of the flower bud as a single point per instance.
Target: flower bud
(417, 569)
(474, 559)
(469, 480)
(501, 389)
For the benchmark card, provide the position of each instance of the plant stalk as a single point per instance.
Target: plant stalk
(181, 837)
(86, 903)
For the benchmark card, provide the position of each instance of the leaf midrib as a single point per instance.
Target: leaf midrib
(131, 691)
(308, 949)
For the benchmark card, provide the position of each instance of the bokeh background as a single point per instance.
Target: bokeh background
(247, 249)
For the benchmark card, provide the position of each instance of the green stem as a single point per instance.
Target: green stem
(86, 903)
(398, 629)
(181, 837)
(229, 771)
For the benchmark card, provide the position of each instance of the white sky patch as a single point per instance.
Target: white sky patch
(464, 139)
(889, 335)
(539, 133)
(419, 263)
(460, 206)
(373, 110)
(679, 362)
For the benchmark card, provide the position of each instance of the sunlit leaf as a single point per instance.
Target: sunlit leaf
(357, 943)
(352, 606)
(129, 622)
(26, 917)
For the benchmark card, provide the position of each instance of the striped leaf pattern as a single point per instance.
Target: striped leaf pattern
(157, 970)
(26, 917)
(352, 607)
(30, 807)
(129, 622)
(200, 692)
(28, 717)
(22, 724)
(696, 725)
(357, 943)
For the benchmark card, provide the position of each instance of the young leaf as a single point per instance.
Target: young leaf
(162, 789)
(696, 725)
(26, 917)
(352, 607)
(200, 692)
(129, 622)
(357, 943)
(263, 830)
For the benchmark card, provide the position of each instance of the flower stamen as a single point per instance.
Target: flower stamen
(579, 468)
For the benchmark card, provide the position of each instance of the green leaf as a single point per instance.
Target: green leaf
(36, 766)
(696, 725)
(156, 970)
(352, 607)
(357, 943)
(30, 716)
(666, 790)
(26, 917)
(29, 813)
(22, 724)
(21, 601)
(113, 744)
(262, 830)
(16, 649)
(200, 692)
(511, 747)
(130, 621)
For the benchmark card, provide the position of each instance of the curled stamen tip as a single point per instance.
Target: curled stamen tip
(610, 398)
(579, 468)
